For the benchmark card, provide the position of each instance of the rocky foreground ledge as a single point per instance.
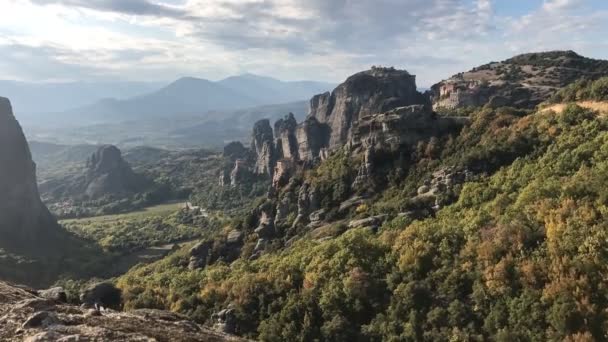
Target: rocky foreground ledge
(24, 316)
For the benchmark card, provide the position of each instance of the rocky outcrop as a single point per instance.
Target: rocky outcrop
(240, 173)
(101, 294)
(24, 219)
(262, 146)
(374, 91)
(285, 138)
(312, 137)
(200, 254)
(109, 174)
(282, 173)
(441, 185)
(27, 317)
(523, 81)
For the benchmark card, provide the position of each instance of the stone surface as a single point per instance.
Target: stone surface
(109, 174)
(374, 222)
(285, 138)
(282, 173)
(56, 293)
(312, 137)
(101, 294)
(234, 237)
(240, 173)
(374, 91)
(262, 146)
(24, 219)
(225, 321)
(266, 227)
(199, 255)
(523, 81)
(22, 321)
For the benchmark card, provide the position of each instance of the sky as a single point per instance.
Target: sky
(324, 40)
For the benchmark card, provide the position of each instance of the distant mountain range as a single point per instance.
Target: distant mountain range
(35, 99)
(190, 96)
(92, 103)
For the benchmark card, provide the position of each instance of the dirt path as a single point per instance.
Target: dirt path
(602, 107)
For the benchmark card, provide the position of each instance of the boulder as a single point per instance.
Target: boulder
(102, 294)
(225, 321)
(57, 294)
(199, 254)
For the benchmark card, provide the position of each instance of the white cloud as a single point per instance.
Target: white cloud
(291, 39)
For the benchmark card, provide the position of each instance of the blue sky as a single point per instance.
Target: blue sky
(161, 40)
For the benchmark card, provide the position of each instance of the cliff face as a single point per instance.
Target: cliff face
(374, 91)
(262, 145)
(22, 214)
(333, 121)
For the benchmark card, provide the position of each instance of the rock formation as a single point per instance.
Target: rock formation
(28, 317)
(24, 219)
(374, 91)
(262, 146)
(523, 81)
(285, 138)
(332, 120)
(109, 174)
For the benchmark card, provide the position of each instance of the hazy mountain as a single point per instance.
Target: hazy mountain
(30, 99)
(268, 90)
(185, 97)
(195, 97)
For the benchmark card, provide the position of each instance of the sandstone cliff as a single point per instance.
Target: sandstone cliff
(373, 91)
(23, 217)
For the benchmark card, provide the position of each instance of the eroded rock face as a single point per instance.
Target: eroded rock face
(26, 317)
(262, 146)
(23, 216)
(374, 91)
(109, 174)
(240, 173)
(312, 137)
(285, 138)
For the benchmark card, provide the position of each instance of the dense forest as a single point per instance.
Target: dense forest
(520, 255)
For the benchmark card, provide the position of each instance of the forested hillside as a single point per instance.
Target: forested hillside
(519, 255)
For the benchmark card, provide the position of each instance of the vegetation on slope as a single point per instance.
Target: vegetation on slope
(521, 255)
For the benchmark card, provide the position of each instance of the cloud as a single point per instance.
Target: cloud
(290, 39)
(560, 5)
(130, 7)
